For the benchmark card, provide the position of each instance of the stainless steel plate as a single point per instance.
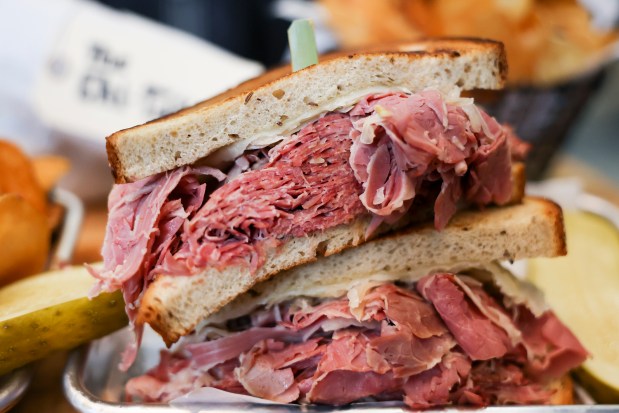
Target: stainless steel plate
(93, 383)
(13, 387)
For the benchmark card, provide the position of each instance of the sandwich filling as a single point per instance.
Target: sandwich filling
(445, 339)
(376, 160)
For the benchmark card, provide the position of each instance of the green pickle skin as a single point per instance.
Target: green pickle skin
(36, 335)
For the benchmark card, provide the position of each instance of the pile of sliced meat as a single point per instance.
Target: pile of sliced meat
(375, 160)
(402, 142)
(443, 340)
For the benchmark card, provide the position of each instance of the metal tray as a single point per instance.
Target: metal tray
(14, 385)
(92, 383)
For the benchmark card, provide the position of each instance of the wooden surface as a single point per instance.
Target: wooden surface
(45, 394)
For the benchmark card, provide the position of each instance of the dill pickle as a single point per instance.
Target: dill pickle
(583, 290)
(51, 311)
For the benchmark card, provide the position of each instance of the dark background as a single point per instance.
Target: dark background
(245, 27)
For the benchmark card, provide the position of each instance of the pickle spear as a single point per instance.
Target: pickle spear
(51, 311)
(583, 290)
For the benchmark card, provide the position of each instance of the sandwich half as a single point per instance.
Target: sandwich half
(290, 167)
(424, 317)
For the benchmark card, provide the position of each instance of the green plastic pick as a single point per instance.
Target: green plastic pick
(303, 52)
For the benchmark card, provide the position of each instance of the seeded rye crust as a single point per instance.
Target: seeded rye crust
(174, 305)
(278, 102)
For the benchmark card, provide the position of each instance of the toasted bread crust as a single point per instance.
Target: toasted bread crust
(519, 181)
(173, 305)
(559, 240)
(277, 102)
(537, 220)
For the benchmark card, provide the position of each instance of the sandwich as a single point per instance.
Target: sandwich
(290, 167)
(333, 235)
(418, 316)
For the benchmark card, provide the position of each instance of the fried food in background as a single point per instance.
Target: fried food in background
(24, 237)
(26, 217)
(547, 42)
(17, 176)
(48, 170)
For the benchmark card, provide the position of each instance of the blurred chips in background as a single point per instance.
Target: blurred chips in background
(547, 41)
